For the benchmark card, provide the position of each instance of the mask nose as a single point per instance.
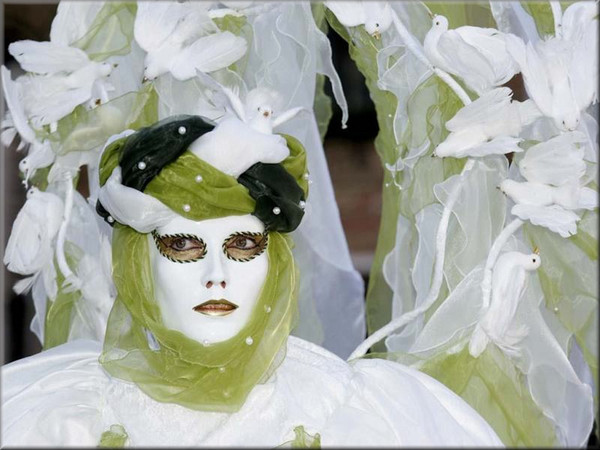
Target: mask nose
(215, 274)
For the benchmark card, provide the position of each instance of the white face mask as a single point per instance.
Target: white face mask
(208, 274)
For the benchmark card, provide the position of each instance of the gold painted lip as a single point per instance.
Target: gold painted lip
(216, 308)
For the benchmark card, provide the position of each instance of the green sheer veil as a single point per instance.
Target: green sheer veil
(164, 363)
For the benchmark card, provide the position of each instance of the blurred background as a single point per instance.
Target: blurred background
(354, 166)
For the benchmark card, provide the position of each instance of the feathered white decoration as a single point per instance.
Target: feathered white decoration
(568, 196)
(40, 154)
(375, 16)
(30, 247)
(73, 20)
(489, 125)
(262, 109)
(557, 161)
(508, 284)
(64, 78)
(561, 74)
(553, 217)
(181, 38)
(477, 55)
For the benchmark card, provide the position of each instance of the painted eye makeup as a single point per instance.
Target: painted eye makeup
(180, 248)
(245, 246)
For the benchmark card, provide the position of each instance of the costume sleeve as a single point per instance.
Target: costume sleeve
(54, 398)
(416, 408)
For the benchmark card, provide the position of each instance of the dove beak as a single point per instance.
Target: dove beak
(431, 15)
(536, 251)
(376, 34)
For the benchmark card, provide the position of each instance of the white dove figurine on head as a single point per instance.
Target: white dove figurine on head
(261, 108)
(60, 79)
(508, 285)
(477, 55)
(375, 16)
(489, 125)
(180, 38)
(561, 74)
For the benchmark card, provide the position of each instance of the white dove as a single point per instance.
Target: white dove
(30, 247)
(568, 196)
(557, 161)
(64, 78)
(508, 284)
(477, 55)
(260, 108)
(40, 153)
(489, 125)
(560, 75)
(375, 16)
(180, 38)
(548, 206)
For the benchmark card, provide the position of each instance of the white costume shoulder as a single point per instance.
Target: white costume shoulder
(63, 396)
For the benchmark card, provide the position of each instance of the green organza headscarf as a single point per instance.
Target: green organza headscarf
(215, 377)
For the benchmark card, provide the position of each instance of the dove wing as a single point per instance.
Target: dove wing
(489, 107)
(467, 61)
(553, 217)
(155, 22)
(491, 44)
(583, 70)
(587, 198)
(73, 20)
(350, 13)
(208, 54)
(533, 70)
(287, 115)
(11, 95)
(556, 161)
(498, 146)
(28, 246)
(47, 57)
(48, 99)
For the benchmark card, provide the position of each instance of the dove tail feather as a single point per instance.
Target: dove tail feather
(23, 286)
(588, 198)
(479, 341)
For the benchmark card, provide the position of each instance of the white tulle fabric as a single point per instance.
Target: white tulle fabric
(63, 397)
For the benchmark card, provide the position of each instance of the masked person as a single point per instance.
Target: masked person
(198, 350)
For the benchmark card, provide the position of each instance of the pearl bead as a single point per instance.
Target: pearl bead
(249, 340)
(305, 176)
(556, 309)
(141, 165)
(181, 130)
(198, 178)
(387, 184)
(226, 394)
(205, 342)
(302, 204)
(267, 309)
(221, 369)
(110, 219)
(277, 210)
(186, 208)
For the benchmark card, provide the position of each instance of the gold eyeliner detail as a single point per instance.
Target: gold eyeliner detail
(236, 247)
(170, 246)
